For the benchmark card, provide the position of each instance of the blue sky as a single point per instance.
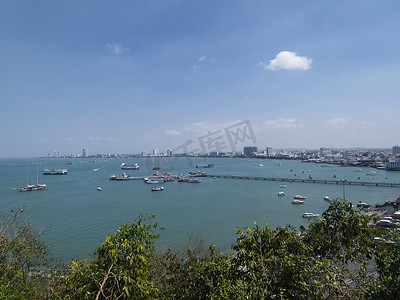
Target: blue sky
(133, 76)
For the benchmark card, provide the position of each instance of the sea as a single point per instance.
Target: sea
(75, 217)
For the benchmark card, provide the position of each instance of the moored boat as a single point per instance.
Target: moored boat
(55, 171)
(326, 198)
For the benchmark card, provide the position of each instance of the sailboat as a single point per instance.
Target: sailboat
(31, 187)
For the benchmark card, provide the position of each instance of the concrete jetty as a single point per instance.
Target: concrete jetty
(305, 180)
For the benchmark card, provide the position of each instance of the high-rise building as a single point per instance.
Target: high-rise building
(324, 151)
(396, 151)
(250, 150)
(269, 151)
(85, 152)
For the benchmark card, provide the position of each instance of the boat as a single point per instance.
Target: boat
(153, 181)
(204, 165)
(99, 189)
(198, 174)
(296, 201)
(156, 168)
(310, 215)
(358, 170)
(281, 194)
(261, 165)
(55, 171)
(283, 186)
(157, 188)
(300, 197)
(364, 205)
(326, 198)
(28, 187)
(122, 176)
(126, 166)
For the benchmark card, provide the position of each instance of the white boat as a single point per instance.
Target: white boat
(99, 189)
(300, 197)
(154, 181)
(30, 188)
(261, 165)
(283, 186)
(126, 166)
(281, 194)
(55, 171)
(310, 215)
(296, 201)
(157, 188)
(326, 198)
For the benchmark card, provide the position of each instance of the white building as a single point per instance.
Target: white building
(396, 151)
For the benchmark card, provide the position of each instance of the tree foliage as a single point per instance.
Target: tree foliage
(334, 258)
(22, 258)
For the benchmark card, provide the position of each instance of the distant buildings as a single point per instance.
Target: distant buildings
(324, 151)
(249, 151)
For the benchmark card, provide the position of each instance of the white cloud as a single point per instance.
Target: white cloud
(117, 48)
(172, 132)
(337, 123)
(287, 60)
(283, 124)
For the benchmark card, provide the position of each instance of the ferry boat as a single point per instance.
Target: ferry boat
(122, 176)
(204, 165)
(126, 166)
(198, 174)
(55, 172)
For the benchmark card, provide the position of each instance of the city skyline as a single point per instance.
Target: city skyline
(127, 77)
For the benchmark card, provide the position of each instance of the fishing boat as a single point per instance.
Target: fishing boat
(28, 187)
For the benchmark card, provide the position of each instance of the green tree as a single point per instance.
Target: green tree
(23, 257)
(119, 267)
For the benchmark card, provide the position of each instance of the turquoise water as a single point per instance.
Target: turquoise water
(76, 218)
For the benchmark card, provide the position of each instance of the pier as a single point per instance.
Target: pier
(299, 180)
